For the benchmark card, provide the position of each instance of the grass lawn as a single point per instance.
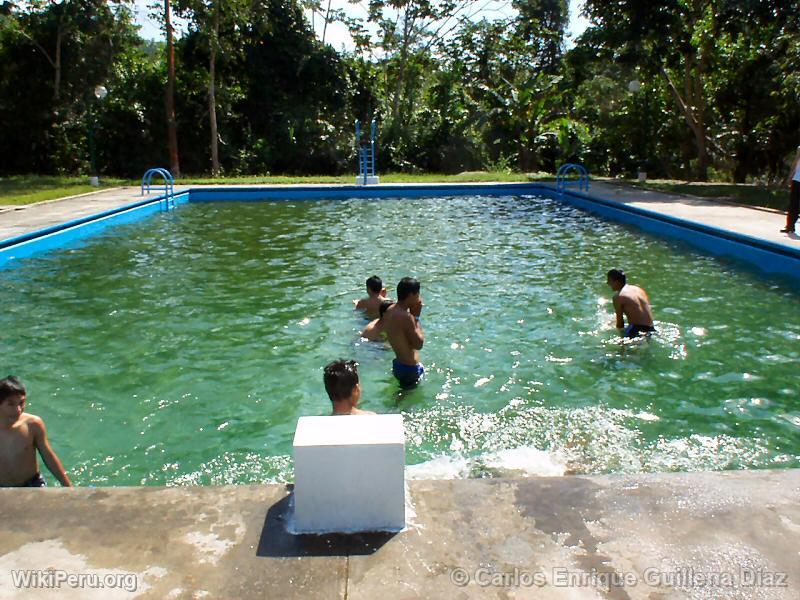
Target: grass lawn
(469, 176)
(28, 189)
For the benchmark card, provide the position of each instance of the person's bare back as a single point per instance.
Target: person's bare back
(376, 294)
(635, 305)
(631, 302)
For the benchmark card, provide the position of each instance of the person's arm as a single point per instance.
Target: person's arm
(414, 332)
(48, 456)
(618, 310)
(359, 304)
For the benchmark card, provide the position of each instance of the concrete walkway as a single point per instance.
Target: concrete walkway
(761, 223)
(686, 535)
(18, 220)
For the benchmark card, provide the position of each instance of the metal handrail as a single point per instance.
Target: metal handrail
(583, 177)
(169, 184)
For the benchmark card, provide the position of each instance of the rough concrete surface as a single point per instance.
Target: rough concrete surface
(651, 536)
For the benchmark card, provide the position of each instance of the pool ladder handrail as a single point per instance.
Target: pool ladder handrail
(366, 153)
(169, 185)
(562, 182)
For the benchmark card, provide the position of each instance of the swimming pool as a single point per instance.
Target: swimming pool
(182, 349)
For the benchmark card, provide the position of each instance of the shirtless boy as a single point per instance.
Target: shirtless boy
(376, 294)
(344, 390)
(631, 301)
(21, 435)
(405, 333)
(375, 329)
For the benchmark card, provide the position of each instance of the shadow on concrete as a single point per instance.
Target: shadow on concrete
(277, 542)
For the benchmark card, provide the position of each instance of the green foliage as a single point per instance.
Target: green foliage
(718, 94)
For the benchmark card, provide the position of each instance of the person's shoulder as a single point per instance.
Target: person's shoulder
(32, 422)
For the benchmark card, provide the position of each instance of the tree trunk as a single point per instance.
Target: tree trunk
(401, 73)
(696, 124)
(212, 99)
(172, 126)
(57, 65)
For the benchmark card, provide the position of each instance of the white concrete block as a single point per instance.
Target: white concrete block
(371, 180)
(349, 474)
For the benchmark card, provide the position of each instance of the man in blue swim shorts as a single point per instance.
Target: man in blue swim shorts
(631, 302)
(404, 332)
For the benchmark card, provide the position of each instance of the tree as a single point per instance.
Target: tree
(53, 56)
(208, 18)
(169, 97)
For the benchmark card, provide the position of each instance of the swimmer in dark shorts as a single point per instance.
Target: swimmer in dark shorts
(632, 331)
(404, 332)
(407, 375)
(631, 303)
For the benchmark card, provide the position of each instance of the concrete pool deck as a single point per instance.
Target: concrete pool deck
(724, 535)
(760, 223)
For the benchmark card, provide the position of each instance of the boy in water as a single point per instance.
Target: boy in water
(405, 333)
(376, 294)
(21, 435)
(344, 390)
(631, 301)
(375, 329)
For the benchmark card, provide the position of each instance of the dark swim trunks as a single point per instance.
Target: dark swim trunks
(407, 375)
(35, 481)
(632, 331)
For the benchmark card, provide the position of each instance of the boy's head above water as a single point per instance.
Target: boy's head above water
(616, 279)
(408, 286)
(341, 381)
(374, 285)
(12, 400)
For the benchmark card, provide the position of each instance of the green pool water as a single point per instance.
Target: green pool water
(183, 348)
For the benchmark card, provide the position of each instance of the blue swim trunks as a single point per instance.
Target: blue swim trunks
(632, 331)
(407, 375)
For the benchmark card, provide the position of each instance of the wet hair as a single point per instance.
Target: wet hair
(384, 307)
(406, 287)
(617, 275)
(374, 284)
(341, 378)
(10, 387)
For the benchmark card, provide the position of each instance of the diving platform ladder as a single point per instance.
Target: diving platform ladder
(366, 156)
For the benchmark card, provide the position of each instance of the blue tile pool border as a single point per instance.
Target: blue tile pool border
(767, 256)
(57, 236)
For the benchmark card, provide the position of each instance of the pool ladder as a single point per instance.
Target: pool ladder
(366, 154)
(562, 182)
(169, 186)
